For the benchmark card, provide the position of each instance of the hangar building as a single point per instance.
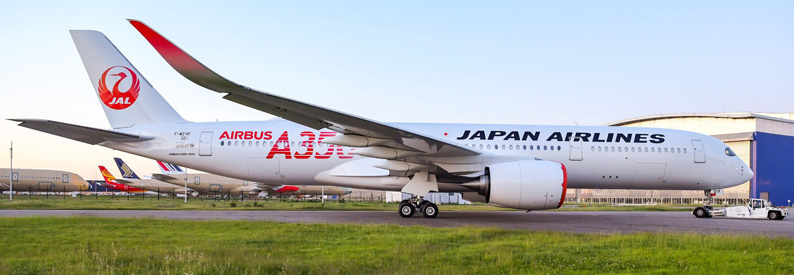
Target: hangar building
(765, 141)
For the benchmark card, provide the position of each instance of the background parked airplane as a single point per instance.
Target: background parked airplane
(132, 179)
(210, 183)
(42, 180)
(117, 184)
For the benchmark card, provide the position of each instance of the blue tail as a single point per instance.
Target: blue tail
(125, 170)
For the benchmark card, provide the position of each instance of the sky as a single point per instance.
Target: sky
(501, 62)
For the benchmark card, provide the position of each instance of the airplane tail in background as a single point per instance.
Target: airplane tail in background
(169, 169)
(126, 97)
(126, 171)
(109, 178)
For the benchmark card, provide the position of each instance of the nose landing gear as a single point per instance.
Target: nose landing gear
(415, 204)
(706, 210)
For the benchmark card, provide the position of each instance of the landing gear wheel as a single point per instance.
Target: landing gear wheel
(430, 210)
(773, 215)
(701, 212)
(406, 209)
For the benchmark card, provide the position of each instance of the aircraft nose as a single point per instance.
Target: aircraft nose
(346, 190)
(750, 174)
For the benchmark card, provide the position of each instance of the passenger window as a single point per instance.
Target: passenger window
(257, 143)
(250, 143)
(525, 147)
(678, 150)
(496, 147)
(599, 148)
(632, 149)
(558, 147)
(221, 143)
(592, 148)
(659, 149)
(684, 150)
(665, 150)
(235, 143)
(620, 149)
(646, 149)
(489, 147)
(653, 150)
(626, 149)
(613, 148)
(480, 146)
(503, 146)
(511, 146)
(544, 147)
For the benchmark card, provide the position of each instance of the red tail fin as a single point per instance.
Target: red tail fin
(106, 174)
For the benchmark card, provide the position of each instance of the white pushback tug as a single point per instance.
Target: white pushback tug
(755, 209)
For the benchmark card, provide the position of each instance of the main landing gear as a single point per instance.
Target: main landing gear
(415, 204)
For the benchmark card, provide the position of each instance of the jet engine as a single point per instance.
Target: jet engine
(524, 184)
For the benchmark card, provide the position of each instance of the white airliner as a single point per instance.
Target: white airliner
(153, 185)
(516, 166)
(42, 180)
(215, 184)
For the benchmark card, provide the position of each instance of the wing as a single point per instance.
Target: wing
(358, 131)
(79, 133)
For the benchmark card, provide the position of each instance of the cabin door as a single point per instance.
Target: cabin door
(700, 153)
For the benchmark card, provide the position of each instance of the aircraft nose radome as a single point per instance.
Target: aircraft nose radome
(347, 191)
(750, 174)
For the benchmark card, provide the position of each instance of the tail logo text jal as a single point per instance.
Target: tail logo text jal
(125, 89)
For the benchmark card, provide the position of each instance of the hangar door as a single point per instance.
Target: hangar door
(700, 154)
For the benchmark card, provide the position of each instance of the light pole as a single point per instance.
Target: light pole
(11, 173)
(185, 184)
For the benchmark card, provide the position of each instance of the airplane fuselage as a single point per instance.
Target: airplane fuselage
(40, 180)
(281, 152)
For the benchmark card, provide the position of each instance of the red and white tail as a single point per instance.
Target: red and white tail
(125, 95)
(168, 168)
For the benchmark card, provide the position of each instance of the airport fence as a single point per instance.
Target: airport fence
(155, 195)
(638, 201)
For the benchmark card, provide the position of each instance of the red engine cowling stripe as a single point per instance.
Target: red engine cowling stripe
(564, 185)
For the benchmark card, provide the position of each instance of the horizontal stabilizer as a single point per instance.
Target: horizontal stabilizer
(79, 133)
(123, 181)
(162, 177)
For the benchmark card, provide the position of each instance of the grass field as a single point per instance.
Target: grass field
(149, 246)
(151, 203)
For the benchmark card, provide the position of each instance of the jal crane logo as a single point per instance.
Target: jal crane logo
(125, 89)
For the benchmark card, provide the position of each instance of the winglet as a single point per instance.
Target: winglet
(181, 61)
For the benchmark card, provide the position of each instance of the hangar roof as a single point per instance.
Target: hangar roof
(781, 117)
(725, 125)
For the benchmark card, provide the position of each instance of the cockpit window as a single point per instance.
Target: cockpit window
(729, 152)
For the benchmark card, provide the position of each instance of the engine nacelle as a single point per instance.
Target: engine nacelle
(526, 184)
